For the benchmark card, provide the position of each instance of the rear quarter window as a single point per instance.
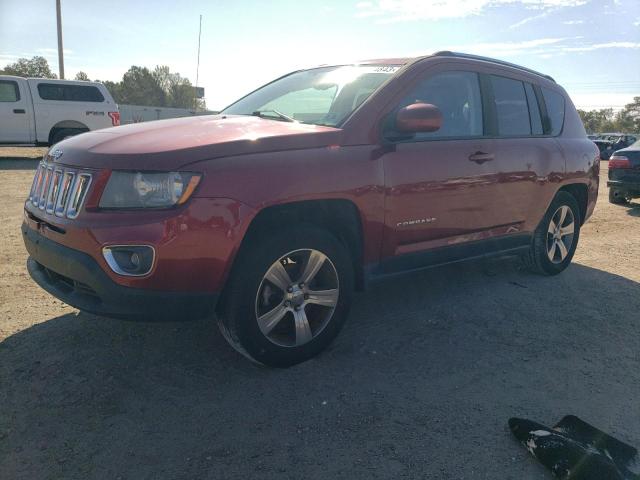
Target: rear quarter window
(69, 93)
(9, 91)
(554, 102)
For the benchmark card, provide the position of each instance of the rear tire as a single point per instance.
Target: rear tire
(616, 196)
(556, 238)
(268, 316)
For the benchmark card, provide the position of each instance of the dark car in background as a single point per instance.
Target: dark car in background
(624, 174)
(605, 147)
(608, 143)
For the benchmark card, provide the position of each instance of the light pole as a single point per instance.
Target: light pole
(195, 100)
(60, 54)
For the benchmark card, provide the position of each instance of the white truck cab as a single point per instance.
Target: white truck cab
(44, 111)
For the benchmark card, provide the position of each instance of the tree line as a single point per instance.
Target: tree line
(139, 85)
(626, 120)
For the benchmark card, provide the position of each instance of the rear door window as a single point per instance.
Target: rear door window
(9, 91)
(457, 95)
(555, 110)
(511, 106)
(69, 93)
(534, 110)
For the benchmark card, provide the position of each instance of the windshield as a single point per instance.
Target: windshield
(321, 96)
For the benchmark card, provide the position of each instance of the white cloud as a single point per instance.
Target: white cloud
(599, 46)
(529, 19)
(5, 57)
(389, 11)
(542, 47)
(48, 52)
(498, 49)
(594, 101)
(573, 22)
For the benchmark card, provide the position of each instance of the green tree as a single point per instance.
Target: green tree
(157, 88)
(140, 87)
(179, 91)
(114, 89)
(588, 120)
(82, 76)
(596, 121)
(36, 67)
(163, 76)
(626, 120)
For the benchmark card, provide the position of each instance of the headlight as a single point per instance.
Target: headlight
(148, 189)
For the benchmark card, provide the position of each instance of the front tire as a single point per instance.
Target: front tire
(556, 238)
(288, 296)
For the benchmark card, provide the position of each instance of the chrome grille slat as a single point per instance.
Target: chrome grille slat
(45, 187)
(34, 185)
(78, 194)
(59, 190)
(63, 197)
(53, 190)
(38, 188)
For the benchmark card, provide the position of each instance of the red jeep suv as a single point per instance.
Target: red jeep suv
(269, 215)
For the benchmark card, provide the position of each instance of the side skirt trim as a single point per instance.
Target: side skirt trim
(506, 245)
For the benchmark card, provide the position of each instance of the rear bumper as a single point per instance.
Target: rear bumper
(628, 188)
(78, 280)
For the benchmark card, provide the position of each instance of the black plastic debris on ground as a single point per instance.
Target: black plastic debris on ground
(575, 450)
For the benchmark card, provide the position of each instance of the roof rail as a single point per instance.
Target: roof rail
(447, 53)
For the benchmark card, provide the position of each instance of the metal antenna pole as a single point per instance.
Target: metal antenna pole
(60, 51)
(195, 100)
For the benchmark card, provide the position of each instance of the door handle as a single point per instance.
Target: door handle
(481, 157)
(19, 110)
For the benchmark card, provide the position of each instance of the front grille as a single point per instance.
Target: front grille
(59, 190)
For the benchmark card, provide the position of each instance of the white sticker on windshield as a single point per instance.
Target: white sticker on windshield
(386, 69)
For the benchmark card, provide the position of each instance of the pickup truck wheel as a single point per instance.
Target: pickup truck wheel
(616, 196)
(556, 238)
(64, 133)
(289, 297)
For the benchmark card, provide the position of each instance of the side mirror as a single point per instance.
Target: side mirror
(419, 117)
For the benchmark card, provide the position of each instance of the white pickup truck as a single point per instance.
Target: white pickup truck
(41, 111)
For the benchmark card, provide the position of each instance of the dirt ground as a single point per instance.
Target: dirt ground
(420, 383)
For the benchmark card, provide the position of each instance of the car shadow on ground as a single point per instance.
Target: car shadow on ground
(420, 383)
(633, 209)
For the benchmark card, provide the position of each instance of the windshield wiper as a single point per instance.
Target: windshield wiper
(278, 115)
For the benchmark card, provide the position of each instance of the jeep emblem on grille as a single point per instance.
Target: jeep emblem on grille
(56, 154)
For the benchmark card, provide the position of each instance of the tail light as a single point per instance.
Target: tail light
(618, 161)
(115, 118)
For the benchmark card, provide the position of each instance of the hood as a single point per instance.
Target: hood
(170, 144)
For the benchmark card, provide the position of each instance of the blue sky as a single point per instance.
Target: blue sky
(591, 47)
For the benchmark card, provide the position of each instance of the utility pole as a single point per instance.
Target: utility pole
(195, 99)
(60, 53)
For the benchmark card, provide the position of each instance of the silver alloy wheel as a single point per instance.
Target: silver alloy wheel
(297, 297)
(560, 234)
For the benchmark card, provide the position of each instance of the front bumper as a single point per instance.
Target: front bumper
(78, 280)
